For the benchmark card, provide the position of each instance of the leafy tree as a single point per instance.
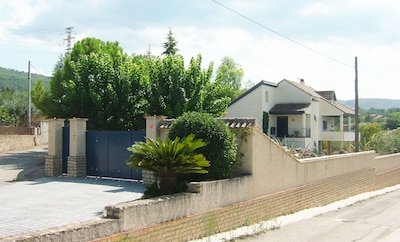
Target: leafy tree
(367, 133)
(167, 96)
(216, 100)
(386, 142)
(114, 91)
(100, 82)
(229, 73)
(41, 97)
(170, 45)
(221, 150)
(176, 90)
(13, 107)
(393, 121)
(169, 158)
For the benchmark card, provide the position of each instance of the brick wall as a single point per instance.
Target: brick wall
(252, 211)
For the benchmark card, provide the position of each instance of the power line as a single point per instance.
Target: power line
(34, 30)
(281, 35)
(37, 71)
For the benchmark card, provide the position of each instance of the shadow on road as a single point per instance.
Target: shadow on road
(115, 185)
(23, 165)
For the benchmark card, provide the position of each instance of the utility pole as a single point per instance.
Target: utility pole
(29, 94)
(69, 39)
(356, 118)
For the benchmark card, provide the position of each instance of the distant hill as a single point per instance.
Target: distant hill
(367, 103)
(18, 80)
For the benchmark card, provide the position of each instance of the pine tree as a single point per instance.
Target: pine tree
(170, 44)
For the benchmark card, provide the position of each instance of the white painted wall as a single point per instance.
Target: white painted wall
(253, 104)
(287, 93)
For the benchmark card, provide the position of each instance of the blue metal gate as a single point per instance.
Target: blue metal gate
(106, 153)
(65, 148)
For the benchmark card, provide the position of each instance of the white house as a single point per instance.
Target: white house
(295, 113)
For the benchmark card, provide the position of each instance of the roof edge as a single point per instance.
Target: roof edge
(266, 83)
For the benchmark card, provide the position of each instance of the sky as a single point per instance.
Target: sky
(272, 40)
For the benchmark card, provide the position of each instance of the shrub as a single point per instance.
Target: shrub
(386, 142)
(168, 159)
(221, 149)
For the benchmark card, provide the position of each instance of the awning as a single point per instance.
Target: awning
(289, 108)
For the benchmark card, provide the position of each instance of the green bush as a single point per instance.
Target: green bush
(221, 149)
(386, 142)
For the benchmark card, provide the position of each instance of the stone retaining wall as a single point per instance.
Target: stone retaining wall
(18, 142)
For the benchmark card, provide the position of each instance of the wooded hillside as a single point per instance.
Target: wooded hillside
(18, 80)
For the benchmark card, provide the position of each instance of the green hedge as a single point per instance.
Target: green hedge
(221, 149)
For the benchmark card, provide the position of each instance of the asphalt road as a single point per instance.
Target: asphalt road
(376, 219)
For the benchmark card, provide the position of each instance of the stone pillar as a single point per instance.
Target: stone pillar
(152, 126)
(77, 148)
(53, 160)
(152, 132)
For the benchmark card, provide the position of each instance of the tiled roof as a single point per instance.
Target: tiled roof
(329, 95)
(289, 108)
(166, 123)
(302, 86)
(238, 123)
(232, 123)
(344, 109)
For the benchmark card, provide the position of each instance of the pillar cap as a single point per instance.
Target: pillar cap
(78, 119)
(56, 119)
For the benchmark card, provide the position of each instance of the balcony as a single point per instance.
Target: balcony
(336, 136)
(299, 133)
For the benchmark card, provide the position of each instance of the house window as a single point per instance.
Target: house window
(266, 96)
(324, 125)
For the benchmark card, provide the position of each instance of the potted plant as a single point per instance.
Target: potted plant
(169, 158)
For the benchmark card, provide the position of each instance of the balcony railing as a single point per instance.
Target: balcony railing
(299, 132)
(292, 132)
(336, 136)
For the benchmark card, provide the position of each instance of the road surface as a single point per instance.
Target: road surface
(375, 219)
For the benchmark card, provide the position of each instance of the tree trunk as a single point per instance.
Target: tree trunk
(167, 182)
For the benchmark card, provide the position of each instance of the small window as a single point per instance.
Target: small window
(324, 125)
(266, 96)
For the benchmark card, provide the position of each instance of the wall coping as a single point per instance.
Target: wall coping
(335, 157)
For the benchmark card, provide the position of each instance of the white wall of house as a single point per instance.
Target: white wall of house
(315, 124)
(287, 93)
(265, 96)
(248, 106)
(252, 105)
(329, 109)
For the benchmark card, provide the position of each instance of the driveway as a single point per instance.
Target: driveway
(38, 202)
(22, 165)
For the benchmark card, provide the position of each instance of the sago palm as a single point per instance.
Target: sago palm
(169, 158)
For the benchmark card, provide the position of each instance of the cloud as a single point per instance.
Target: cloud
(339, 29)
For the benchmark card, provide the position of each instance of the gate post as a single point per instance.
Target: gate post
(53, 160)
(77, 148)
(152, 132)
